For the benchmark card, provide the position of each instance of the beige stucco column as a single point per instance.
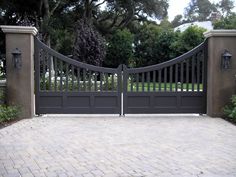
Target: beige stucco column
(220, 82)
(20, 82)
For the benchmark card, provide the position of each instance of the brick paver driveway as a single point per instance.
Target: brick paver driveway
(159, 146)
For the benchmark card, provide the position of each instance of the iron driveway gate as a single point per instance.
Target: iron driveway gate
(64, 85)
(176, 86)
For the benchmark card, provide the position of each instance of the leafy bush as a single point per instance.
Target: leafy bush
(89, 46)
(230, 109)
(8, 113)
(226, 23)
(190, 38)
(119, 48)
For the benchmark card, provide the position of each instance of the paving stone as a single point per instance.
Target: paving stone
(108, 146)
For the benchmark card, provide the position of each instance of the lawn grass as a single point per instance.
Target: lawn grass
(164, 87)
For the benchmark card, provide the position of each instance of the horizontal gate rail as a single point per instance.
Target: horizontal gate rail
(178, 85)
(64, 85)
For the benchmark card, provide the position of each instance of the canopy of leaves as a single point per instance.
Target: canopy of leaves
(89, 46)
(225, 7)
(177, 21)
(190, 38)
(226, 22)
(199, 10)
(120, 50)
(153, 44)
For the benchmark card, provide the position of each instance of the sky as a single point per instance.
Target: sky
(177, 7)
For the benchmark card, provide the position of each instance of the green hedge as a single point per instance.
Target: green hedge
(230, 109)
(8, 113)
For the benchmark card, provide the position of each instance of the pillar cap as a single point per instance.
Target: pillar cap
(221, 33)
(19, 29)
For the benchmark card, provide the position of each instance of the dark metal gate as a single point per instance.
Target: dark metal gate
(66, 86)
(176, 86)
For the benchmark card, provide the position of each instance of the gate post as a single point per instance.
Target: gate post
(20, 80)
(221, 83)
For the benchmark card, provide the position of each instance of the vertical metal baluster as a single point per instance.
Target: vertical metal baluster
(50, 70)
(61, 75)
(198, 73)
(182, 76)
(165, 78)
(137, 82)
(176, 77)
(101, 77)
(154, 80)
(73, 75)
(44, 70)
(193, 70)
(67, 76)
(143, 82)
(203, 70)
(112, 82)
(78, 78)
(171, 78)
(131, 84)
(187, 75)
(148, 81)
(95, 80)
(89, 84)
(55, 74)
(84, 79)
(106, 76)
(159, 80)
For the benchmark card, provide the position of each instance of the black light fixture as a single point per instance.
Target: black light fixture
(226, 60)
(16, 57)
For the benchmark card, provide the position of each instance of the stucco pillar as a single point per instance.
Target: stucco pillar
(220, 82)
(20, 82)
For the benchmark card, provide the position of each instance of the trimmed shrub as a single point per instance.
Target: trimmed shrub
(8, 113)
(230, 109)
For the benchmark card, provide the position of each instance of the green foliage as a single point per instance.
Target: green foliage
(177, 21)
(89, 46)
(225, 7)
(190, 38)
(199, 10)
(2, 94)
(226, 23)
(145, 44)
(119, 49)
(62, 40)
(153, 44)
(230, 109)
(8, 113)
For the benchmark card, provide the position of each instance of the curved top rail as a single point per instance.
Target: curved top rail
(72, 61)
(170, 62)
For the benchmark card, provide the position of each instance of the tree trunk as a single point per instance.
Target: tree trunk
(46, 35)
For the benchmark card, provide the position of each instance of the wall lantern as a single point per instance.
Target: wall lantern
(16, 57)
(226, 59)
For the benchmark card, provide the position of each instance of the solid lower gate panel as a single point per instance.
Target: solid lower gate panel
(78, 103)
(153, 103)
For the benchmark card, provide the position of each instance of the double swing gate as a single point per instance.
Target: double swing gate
(66, 86)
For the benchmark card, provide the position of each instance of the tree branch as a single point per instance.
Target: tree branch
(100, 3)
(55, 7)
